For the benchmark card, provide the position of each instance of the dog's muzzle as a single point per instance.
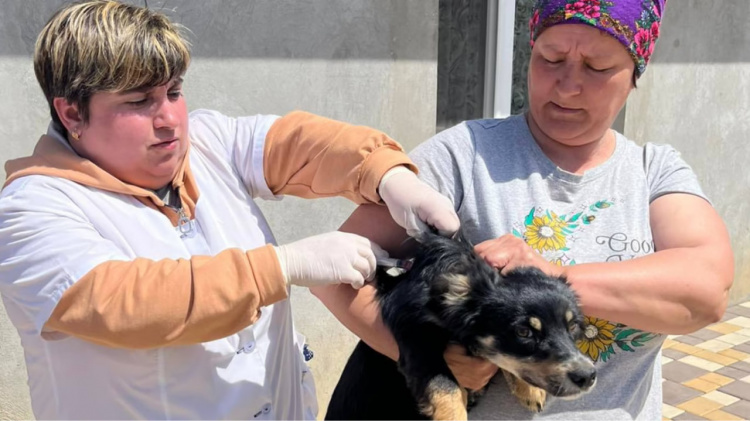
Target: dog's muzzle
(583, 376)
(571, 379)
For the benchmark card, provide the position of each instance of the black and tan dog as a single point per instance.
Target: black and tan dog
(525, 322)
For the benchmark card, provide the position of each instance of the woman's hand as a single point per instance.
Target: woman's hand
(416, 206)
(330, 258)
(510, 252)
(471, 372)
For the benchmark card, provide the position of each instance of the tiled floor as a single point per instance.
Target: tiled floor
(706, 375)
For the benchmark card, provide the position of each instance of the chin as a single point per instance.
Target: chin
(166, 170)
(150, 184)
(156, 180)
(566, 134)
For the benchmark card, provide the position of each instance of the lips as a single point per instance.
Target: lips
(165, 144)
(560, 108)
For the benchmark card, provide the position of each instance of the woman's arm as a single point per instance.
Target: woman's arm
(309, 156)
(678, 289)
(57, 268)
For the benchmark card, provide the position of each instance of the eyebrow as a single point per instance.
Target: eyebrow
(144, 89)
(141, 90)
(553, 48)
(595, 57)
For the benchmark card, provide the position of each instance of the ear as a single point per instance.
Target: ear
(457, 286)
(69, 114)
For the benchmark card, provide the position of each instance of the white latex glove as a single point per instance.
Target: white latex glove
(331, 258)
(414, 205)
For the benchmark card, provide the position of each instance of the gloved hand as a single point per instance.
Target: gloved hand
(331, 258)
(414, 205)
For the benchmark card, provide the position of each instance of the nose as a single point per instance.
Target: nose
(166, 116)
(583, 377)
(569, 82)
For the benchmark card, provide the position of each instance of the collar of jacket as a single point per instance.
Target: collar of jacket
(54, 157)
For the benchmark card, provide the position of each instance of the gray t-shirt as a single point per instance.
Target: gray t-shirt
(501, 182)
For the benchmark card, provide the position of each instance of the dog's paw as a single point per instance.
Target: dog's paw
(533, 398)
(445, 400)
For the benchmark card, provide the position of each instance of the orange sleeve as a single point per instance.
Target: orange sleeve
(146, 304)
(310, 156)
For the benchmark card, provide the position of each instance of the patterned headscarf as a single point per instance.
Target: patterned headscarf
(635, 23)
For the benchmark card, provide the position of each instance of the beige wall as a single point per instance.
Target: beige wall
(695, 95)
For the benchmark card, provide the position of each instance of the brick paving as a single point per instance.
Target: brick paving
(706, 375)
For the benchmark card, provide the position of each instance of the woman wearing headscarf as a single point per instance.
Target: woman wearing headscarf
(557, 188)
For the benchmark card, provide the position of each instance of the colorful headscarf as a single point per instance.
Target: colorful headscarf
(635, 23)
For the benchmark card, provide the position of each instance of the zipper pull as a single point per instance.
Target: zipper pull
(184, 224)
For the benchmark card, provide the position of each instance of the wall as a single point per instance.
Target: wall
(695, 95)
(362, 61)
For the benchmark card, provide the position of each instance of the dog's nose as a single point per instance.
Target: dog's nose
(583, 377)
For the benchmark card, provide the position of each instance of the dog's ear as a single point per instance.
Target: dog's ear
(458, 236)
(456, 288)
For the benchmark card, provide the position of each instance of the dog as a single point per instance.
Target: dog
(525, 322)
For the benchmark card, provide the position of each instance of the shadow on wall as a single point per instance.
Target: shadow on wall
(356, 29)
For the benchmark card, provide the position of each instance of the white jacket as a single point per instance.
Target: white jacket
(55, 231)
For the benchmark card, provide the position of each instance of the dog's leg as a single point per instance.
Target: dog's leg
(427, 374)
(445, 400)
(529, 396)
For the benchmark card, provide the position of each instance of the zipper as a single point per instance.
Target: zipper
(185, 226)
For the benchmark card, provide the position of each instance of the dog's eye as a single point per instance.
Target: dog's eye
(523, 332)
(572, 326)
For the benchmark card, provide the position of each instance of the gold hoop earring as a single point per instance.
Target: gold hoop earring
(75, 135)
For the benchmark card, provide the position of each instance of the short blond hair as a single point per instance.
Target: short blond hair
(106, 46)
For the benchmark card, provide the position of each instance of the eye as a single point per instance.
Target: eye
(173, 95)
(523, 332)
(552, 61)
(596, 69)
(138, 102)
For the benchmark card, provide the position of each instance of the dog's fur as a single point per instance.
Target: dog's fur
(525, 322)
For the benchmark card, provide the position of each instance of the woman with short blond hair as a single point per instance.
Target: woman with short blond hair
(141, 276)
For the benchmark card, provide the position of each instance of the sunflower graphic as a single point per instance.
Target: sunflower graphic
(597, 337)
(546, 233)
